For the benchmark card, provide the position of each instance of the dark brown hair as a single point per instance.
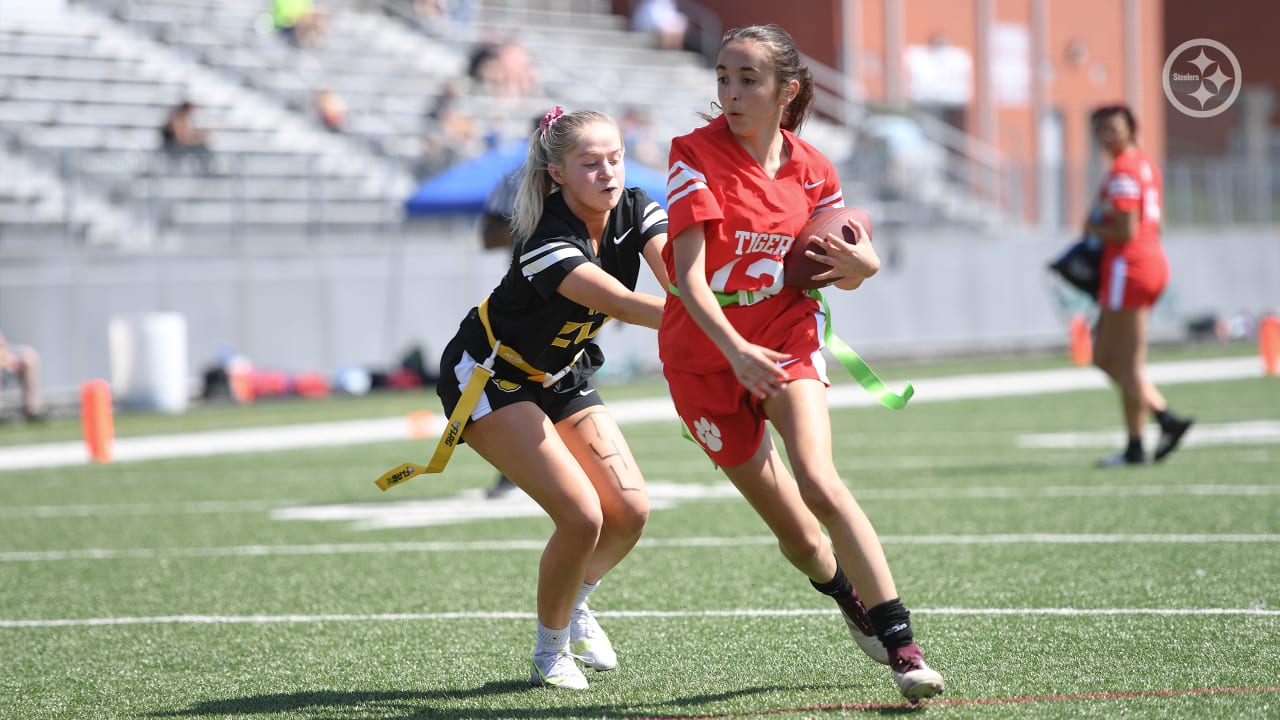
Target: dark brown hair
(787, 66)
(1102, 113)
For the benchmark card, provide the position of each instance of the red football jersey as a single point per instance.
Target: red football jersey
(1134, 184)
(750, 222)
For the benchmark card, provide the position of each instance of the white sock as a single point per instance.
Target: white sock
(551, 640)
(584, 593)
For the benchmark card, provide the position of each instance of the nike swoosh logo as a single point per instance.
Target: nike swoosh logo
(586, 392)
(618, 240)
(788, 362)
(812, 185)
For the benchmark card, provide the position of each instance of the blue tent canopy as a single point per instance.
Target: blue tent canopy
(462, 189)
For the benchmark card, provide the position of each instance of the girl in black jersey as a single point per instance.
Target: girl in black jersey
(580, 238)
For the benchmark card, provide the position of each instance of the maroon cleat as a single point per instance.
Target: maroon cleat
(916, 680)
(859, 624)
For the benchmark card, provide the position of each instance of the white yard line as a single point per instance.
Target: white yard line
(1253, 432)
(18, 556)
(465, 502)
(332, 434)
(208, 507)
(648, 614)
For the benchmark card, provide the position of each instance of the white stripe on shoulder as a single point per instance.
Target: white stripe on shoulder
(683, 180)
(683, 169)
(542, 250)
(653, 215)
(538, 260)
(834, 200)
(1121, 185)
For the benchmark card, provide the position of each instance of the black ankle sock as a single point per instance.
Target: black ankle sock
(1134, 451)
(836, 586)
(892, 623)
(840, 589)
(1164, 417)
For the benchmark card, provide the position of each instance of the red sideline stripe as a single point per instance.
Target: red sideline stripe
(957, 702)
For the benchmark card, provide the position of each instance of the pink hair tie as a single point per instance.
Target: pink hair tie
(550, 119)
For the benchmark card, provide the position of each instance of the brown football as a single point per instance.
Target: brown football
(799, 269)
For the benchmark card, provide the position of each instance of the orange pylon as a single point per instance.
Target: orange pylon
(96, 419)
(1269, 343)
(421, 424)
(1081, 341)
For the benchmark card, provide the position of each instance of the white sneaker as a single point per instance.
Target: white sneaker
(557, 670)
(589, 643)
(916, 680)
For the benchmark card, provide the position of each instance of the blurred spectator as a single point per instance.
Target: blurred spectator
(430, 11)
(482, 55)
(638, 137)
(300, 22)
(503, 69)
(495, 219)
(663, 20)
(451, 133)
(499, 206)
(22, 363)
(181, 139)
(438, 17)
(331, 109)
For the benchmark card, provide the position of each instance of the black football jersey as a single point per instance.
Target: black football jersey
(525, 309)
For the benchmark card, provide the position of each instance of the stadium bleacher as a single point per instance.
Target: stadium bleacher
(38, 211)
(82, 98)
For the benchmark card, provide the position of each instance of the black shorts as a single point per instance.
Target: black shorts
(558, 402)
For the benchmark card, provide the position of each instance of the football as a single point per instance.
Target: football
(798, 269)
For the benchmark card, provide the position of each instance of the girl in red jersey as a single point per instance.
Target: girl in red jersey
(738, 347)
(1135, 271)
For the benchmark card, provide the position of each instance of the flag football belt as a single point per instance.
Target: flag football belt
(858, 367)
(516, 360)
(742, 297)
(470, 397)
(452, 431)
(847, 356)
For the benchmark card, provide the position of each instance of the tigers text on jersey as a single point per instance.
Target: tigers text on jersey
(749, 220)
(526, 311)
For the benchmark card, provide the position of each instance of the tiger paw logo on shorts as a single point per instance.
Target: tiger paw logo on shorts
(708, 434)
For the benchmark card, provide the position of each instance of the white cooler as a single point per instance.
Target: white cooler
(149, 361)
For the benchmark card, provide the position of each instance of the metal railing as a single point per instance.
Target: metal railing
(973, 171)
(1222, 191)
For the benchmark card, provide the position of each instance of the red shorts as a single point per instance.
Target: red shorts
(726, 420)
(1128, 287)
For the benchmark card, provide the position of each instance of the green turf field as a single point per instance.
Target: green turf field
(214, 587)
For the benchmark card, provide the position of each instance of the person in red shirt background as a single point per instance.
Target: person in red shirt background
(739, 347)
(1135, 271)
